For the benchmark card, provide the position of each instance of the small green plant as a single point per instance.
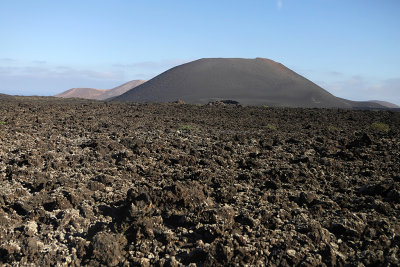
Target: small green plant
(380, 127)
(332, 128)
(186, 128)
(270, 126)
(3, 123)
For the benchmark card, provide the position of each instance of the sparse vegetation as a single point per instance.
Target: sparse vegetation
(270, 126)
(380, 127)
(3, 123)
(186, 128)
(332, 128)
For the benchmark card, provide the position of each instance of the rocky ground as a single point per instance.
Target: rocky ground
(92, 183)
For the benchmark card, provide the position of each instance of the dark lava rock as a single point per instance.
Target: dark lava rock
(112, 184)
(364, 140)
(107, 248)
(306, 198)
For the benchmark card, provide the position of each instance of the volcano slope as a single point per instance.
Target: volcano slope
(256, 82)
(91, 183)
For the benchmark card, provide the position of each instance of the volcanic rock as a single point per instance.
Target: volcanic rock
(119, 184)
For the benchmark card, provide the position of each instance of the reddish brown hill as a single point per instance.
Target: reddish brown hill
(119, 90)
(99, 94)
(87, 93)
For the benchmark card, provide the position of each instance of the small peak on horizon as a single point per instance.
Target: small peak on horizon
(266, 59)
(237, 58)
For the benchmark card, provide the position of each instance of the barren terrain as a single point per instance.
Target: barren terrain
(93, 183)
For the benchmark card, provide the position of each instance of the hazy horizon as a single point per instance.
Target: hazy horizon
(349, 48)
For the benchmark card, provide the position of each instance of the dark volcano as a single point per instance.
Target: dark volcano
(249, 81)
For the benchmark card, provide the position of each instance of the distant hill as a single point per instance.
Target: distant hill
(99, 94)
(2, 96)
(362, 104)
(87, 93)
(6, 97)
(119, 90)
(385, 104)
(257, 82)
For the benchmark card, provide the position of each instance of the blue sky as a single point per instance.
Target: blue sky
(349, 47)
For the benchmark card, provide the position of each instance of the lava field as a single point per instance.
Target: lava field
(117, 184)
